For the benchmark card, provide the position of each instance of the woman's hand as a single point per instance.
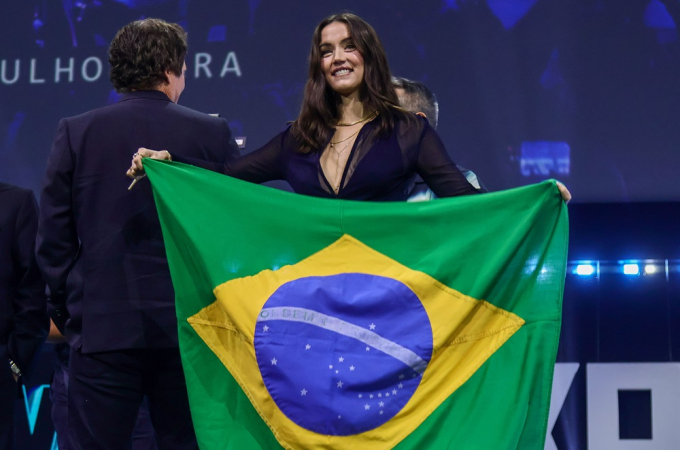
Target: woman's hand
(136, 170)
(566, 195)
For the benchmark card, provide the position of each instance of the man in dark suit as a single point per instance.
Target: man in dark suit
(23, 318)
(100, 246)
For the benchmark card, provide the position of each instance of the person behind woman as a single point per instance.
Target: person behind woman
(351, 139)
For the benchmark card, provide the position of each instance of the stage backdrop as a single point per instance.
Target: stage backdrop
(585, 91)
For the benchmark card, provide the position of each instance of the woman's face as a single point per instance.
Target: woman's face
(341, 62)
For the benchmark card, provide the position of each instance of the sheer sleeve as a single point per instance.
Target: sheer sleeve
(437, 169)
(258, 166)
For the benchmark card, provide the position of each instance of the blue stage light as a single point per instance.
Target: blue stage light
(631, 269)
(585, 269)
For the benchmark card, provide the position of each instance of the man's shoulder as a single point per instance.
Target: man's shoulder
(189, 112)
(91, 114)
(148, 107)
(125, 114)
(14, 191)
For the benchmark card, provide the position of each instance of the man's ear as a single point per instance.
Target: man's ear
(167, 76)
(421, 114)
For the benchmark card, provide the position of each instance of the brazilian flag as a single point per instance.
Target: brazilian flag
(309, 323)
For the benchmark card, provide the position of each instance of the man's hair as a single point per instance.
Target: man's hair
(143, 51)
(417, 98)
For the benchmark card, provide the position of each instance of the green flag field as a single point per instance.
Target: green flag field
(310, 323)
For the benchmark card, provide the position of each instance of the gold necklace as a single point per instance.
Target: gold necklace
(337, 180)
(370, 116)
(346, 139)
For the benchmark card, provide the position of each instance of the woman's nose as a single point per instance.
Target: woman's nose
(338, 56)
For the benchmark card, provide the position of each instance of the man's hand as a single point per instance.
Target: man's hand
(566, 195)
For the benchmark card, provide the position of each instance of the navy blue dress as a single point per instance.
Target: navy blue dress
(379, 168)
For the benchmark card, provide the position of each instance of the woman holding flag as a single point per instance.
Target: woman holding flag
(351, 140)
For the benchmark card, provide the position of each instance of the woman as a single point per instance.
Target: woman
(351, 139)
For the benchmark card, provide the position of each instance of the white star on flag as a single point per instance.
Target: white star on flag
(381, 412)
(339, 384)
(401, 377)
(265, 328)
(394, 391)
(387, 394)
(330, 366)
(274, 361)
(368, 348)
(303, 392)
(379, 394)
(351, 368)
(372, 326)
(381, 404)
(371, 395)
(361, 396)
(400, 385)
(367, 407)
(341, 359)
(307, 347)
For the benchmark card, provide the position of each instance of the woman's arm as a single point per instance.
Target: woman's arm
(258, 166)
(437, 169)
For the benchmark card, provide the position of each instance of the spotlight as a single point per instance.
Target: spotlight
(631, 269)
(585, 269)
(650, 269)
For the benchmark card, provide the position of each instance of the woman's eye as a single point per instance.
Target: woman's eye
(350, 47)
(325, 52)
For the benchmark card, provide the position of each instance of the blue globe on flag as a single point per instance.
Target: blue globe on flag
(342, 354)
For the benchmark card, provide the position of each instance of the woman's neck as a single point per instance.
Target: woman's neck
(350, 108)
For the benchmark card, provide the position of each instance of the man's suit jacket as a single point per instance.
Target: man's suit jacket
(23, 317)
(100, 246)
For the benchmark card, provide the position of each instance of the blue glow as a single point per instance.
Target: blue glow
(100, 41)
(13, 129)
(585, 269)
(551, 76)
(509, 13)
(544, 158)
(217, 33)
(656, 16)
(141, 3)
(449, 5)
(113, 97)
(32, 404)
(631, 269)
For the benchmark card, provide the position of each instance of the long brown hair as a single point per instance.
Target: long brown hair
(320, 102)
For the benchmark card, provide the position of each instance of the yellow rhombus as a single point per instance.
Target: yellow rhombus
(465, 331)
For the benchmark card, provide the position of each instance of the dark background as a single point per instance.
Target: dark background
(519, 81)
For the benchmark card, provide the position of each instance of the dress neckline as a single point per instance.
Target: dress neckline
(347, 163)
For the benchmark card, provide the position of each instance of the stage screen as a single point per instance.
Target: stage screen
(585, 91)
